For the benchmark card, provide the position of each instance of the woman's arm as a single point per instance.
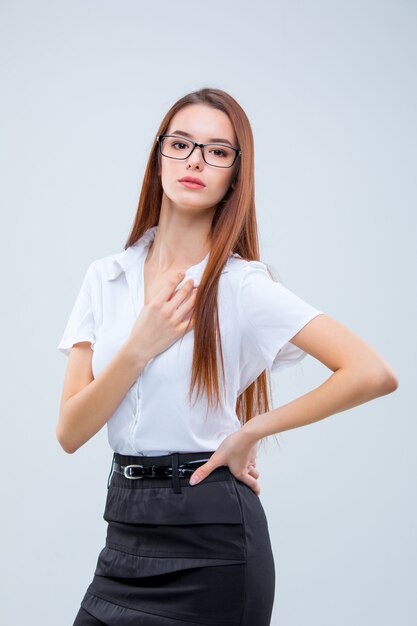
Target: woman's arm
(360, 374)
(87, 403)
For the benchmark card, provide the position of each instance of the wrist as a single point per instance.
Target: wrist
(251, 431)
(135, 356)
(259, 427)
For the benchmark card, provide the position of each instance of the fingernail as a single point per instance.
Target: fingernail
(195, 478)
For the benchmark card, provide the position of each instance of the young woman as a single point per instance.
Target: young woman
(176, 365)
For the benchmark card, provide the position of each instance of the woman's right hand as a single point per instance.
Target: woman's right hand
(166, 318)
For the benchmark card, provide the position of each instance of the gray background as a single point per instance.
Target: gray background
(330, 90)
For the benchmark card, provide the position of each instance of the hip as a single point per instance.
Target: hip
(197, 553)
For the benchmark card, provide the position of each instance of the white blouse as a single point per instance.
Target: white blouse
(258, 316)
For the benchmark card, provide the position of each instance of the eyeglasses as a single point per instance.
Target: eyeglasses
(217, 154)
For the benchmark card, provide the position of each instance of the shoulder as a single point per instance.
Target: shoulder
(106, 262)
(242, 270)
(105, 266)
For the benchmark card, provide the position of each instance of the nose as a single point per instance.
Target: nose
(196, 157)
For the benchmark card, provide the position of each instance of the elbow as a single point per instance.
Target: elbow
(382, 381)
(391, 383)
(64, 442)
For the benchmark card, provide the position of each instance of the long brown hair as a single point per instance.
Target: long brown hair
(233, 230)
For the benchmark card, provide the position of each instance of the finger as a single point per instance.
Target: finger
(251, 482)
(182, 295)
(254, 472)
(203, 471)
(245, 477)
(186, 326)
(185, 309)
(168, 288)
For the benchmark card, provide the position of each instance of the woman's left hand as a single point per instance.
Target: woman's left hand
(239, 454)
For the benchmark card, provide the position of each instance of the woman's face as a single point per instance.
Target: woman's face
(202, 124)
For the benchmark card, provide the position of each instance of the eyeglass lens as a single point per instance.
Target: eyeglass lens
(180, 148)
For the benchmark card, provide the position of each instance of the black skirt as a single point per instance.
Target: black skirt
(181, 557)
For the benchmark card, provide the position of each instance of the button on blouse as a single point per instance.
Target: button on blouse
(258, 317)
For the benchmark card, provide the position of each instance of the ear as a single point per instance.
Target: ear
(234, 180)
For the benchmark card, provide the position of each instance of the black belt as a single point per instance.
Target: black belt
(157, 471)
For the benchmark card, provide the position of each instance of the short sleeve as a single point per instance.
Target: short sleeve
(272, 315)
(80, 325)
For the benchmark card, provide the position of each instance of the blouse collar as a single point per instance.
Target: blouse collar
(136, 254)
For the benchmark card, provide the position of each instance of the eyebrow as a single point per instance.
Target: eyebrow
(215, 140)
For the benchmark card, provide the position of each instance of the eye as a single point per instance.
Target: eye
(180, 143)
(218, 152)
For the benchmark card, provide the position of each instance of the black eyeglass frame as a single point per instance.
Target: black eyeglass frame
(200, 145)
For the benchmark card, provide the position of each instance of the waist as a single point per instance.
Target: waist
(142, 471)
(160, 459)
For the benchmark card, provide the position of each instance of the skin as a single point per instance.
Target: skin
(359, 374)
(186, 215)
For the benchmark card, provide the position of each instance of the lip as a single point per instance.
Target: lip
(192, 183)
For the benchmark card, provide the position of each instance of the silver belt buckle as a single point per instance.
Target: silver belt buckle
(127, 468)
